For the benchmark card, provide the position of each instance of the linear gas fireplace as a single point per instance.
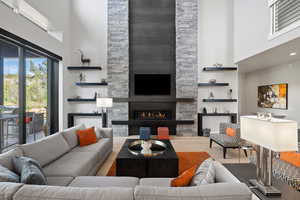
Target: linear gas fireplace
(152, 115)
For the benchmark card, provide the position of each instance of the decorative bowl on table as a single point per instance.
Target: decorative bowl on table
(147, 148)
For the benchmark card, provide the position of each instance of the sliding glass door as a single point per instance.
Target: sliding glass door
(9, 95)
(28, 94)
(36, 96)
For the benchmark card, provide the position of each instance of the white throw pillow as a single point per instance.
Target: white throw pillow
(205, 173)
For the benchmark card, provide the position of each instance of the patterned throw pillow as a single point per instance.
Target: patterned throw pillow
(205, 173)
(8, 176)
(29, 170)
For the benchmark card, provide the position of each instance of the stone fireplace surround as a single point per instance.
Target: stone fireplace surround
(186, 66)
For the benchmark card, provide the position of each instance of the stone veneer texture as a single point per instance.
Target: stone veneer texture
(186, 63)
(118, 62)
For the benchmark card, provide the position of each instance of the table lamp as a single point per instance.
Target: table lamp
(103, 103)
(274, 135)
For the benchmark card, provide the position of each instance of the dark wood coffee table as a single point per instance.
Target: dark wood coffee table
(244, 172)
(164, 165)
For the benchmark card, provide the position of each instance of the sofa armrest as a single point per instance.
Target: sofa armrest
(223, 175)
(104, 132)
(217, 191)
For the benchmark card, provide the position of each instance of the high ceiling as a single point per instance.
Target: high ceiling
(276, 56)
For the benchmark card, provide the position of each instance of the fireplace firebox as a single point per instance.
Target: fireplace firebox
(152, 115)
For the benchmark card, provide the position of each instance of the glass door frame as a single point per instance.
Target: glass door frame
(53, 81)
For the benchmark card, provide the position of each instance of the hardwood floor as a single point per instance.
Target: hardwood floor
(181, 144)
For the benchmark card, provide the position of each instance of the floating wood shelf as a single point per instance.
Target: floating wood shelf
(219, 100)
(212, 84)
(80, 100)
(84, 68)
(218, 114)
(151, 122)
(137, 100)
(219, 69)
(91, 84)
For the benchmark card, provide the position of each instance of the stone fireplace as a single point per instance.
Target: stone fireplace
(174, 53)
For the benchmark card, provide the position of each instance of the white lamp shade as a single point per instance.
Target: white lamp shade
(104, 102)
(277, 135)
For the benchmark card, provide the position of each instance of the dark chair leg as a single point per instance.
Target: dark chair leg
(224, 152)
(245, 151)
(210, 143)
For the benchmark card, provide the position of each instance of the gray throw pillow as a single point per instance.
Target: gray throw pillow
(8, 176)
(205, 173)
(30, 171)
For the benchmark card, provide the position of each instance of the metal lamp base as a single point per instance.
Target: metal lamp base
(266, 190)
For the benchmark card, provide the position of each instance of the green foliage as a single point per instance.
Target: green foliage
(36, 87)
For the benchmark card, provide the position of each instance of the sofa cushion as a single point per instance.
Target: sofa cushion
(31, 192)
(59, 181)
(7, 190)
(6, 158)
(8, 176)
(158, 182)
(104, 133)
(225, 140)
(217, 191)
(72, 164)
(205, 173)
(102, 145)
(30, 171)
(87, 136)
(70, 135)
(46, 150)
(104, 181)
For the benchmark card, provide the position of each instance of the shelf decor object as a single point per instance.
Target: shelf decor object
(84, 68)
(91, 84)
(274, 135)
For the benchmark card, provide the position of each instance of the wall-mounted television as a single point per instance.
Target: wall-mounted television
(152, 84)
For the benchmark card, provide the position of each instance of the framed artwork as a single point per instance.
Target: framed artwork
(273, 96)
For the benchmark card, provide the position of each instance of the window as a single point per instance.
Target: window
(285, 16)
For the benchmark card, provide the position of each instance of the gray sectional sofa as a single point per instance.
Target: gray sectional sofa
(70, 171)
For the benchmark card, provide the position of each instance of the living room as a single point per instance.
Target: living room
(144, 99)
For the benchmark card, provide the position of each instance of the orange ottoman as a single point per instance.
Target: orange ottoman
(163, 133)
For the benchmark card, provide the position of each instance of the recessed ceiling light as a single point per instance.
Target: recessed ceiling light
(293, 54)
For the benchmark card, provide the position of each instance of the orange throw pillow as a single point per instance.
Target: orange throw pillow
(87, 136)
(185, 178)
(230, 132)
(291, 157)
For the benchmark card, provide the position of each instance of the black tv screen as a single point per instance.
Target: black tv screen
(152, 84)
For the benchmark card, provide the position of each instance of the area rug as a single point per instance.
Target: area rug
(186, 161)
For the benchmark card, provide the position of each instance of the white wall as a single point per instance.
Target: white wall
(216, 46)
(88, 32)
(252, 28)
(288, 73)
(23, 28)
